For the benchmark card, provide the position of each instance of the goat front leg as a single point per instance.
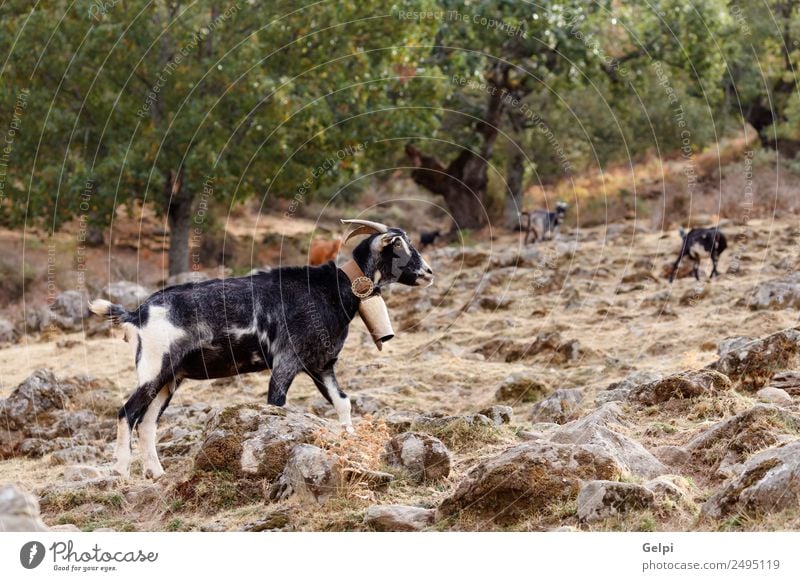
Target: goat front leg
(330, 390)
(714, 271)
(279, 383)
(675, 268)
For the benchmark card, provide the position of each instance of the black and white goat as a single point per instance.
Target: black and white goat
(544, 224)
(697, 243)
(289, 320)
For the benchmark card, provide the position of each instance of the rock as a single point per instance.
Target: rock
(254, 441)
(782, 293)
(192, 276)
(312, 474)
(550, 342)
(128, 294)
(683, 385)
(665, 487)
(593, 430)
(39, 393)
(19, 511)
(276, 520)
(64, 529)
(774, 395)
(424, 457)
(144, 495)
(672, 456)
(77, 455)
(493, 303)
(753, 365)
(80, 473)
(499, 414)
(361, 405)
(732, 344)
(521, 387)
(528, 478)
(559, 407)
(8, 334)
(620, 390)
(601, 499)
(374, 479)
(397, 517)
(470, 257)
(72, 306)
(769, 482)
(728, 443)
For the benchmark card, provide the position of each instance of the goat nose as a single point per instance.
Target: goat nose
(428, 270)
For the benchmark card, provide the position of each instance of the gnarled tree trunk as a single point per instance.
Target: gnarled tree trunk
(179, 218)
(462, 183)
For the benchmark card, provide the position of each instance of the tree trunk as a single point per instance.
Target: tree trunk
(515, 173)
(179, 217)
(463, 182)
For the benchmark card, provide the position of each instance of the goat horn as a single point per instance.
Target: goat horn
(365, 227)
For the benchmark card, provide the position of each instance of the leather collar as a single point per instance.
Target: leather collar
(361, 285)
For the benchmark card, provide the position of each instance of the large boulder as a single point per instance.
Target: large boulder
(397, 517)
(595, 430)
(620, 390)
(39, 393)
(559, 407)
(255, 441)
(72, 306)
(424, 457)
(521, 387)
(8, 334)
(528, 478)
(601, 499)
(687, 384)
(312, 474)
(725, 445)
(782, 293)
(769, 482)
(752, 365)
(19, 511)
(126, 293)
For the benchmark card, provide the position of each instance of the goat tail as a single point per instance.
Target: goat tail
(117, 314)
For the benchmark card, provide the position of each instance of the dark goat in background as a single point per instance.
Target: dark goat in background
(697, 243)
(428, 238)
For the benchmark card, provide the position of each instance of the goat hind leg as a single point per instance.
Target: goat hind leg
(329, 387)
(147, 433)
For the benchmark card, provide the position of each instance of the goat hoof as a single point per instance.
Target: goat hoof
(122, 471)
(153, 473)
(350, 430)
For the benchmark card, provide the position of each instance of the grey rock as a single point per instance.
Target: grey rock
(82, 472)
(396, 517)
(76, 455)
(126, 293)
(521, 387)
(425, 457)
(682, 385)
(254, 441)
(8, 333)
(753, 365)
(725, 445)
(620, 390)
(64, 529)
(19, 511)
(601, 499)
(594, 430)
(39, 393)
(769, 482)
(559, 407)
(312, 474)
(782, 293)
(71, 305)
(499, 414)
(528, 478)
(774, 395)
